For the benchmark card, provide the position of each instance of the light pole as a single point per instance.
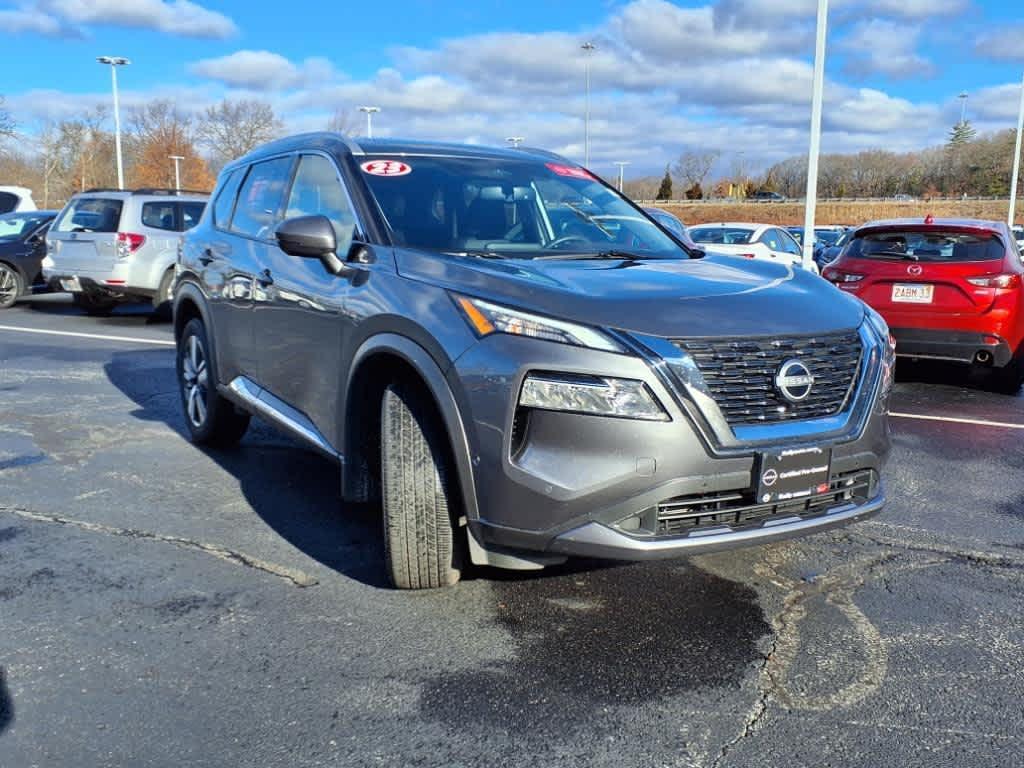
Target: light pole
(963, 106)
(588, 48)
(115, 62)
(815, 146)
(622, 164)
(177, 175)
(369, 119)
(1016, 158)
(515, 141)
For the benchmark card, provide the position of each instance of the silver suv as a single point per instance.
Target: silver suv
(110, 246)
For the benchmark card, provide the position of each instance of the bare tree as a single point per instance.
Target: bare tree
(344, 121)
(7, 123)
(693, 167)
(232, 128)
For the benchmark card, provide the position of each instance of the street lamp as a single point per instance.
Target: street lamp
(515, 141)
(588, 48)
(1016, 158)
(115, 62)
(177, 176)
(622, 164)
(963, 106)
(369, 119)
(815, 147)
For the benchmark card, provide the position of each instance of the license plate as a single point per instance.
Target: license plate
(71, 284)
(793, 474)
(913, 293)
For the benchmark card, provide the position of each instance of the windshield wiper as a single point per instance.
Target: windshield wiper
(896, 254)
(477, 254)
(588, 218)
(614, 255)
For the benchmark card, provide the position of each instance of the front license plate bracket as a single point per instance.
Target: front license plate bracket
(792, 474)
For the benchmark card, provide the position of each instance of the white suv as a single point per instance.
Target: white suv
(112, 246)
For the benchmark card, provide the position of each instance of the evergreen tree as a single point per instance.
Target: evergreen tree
(665, 190)
(962, 133)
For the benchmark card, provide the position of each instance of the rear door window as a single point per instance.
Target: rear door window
(224, 203)
(159, 215)
(929, 246)
(191, 213)
(91, 214)
(261, 199)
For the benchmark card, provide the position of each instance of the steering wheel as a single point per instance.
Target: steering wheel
(560, 241)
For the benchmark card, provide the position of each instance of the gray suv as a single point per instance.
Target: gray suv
(109, 246)
(519, 363)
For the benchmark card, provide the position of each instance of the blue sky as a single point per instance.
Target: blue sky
(731, 75)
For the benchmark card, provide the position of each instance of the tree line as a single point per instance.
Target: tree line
(65, 156)
(965, 165)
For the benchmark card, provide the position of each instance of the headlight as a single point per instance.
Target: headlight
(487, 318)
(597, 395)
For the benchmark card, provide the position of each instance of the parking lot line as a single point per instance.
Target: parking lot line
(101, 336)
(955, 420)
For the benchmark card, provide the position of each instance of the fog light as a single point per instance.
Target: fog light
(595, 395)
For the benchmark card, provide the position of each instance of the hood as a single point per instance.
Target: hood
(713, 296)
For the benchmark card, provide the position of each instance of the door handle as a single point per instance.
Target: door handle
(265, 278)
(207, 258)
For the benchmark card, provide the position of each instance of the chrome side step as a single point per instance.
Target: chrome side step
(260, 402)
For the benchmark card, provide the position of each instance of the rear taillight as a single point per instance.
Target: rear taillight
(747, 256)
(128, 243)
(996, 281)
(836, 276)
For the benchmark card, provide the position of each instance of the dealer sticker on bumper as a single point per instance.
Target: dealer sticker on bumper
(793, 474)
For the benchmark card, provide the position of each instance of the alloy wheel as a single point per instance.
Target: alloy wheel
(8, 286)
(195, 381)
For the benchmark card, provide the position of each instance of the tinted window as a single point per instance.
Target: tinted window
(317, 190)
(8, 202)
(827, 237)
(789, 245)
(91, 214)
(772, 239)
(721, 235)
(926, 246)
(16, 226)
(225, 201)
(517, 207)
(261, 199)
(159, 215)
(191, 213)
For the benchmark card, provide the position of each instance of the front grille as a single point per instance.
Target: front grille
(740, 374)
(685, 515)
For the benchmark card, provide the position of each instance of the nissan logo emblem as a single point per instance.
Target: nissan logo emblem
(794, 381)
(914, 269)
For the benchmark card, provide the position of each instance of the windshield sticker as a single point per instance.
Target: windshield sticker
(569, 170)
(386, 168)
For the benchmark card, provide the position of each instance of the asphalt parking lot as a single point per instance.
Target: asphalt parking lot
(164, 605)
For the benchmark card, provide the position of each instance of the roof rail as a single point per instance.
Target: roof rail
(149, 191)
(102, 189)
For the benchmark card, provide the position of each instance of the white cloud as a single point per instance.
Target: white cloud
(71, 18)
(258, 70)
(885, 47)
(1004, 44)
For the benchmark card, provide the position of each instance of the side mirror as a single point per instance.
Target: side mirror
(310, 237)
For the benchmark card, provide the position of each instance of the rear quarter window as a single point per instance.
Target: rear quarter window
(191, 213)
(159, 215)
(91, 214)
(937, 246)
(8, 202)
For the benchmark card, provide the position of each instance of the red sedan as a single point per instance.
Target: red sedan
(950, 289)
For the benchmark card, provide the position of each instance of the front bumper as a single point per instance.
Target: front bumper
(954, 346)
(562, 483)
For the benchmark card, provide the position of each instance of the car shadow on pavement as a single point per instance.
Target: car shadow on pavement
(131, 314)
(294, 490)
(6, 703)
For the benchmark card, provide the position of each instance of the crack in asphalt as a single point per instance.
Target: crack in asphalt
(293, 575)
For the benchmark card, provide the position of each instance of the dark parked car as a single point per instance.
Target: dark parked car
(767, 196)
(518, 362)
(22, 248)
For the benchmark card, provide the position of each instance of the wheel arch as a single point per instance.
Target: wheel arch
(377, 362)
(189, 302)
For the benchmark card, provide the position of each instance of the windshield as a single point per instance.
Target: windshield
(926, 246)
(14, 226)
(515, 208)
(827, 236)
(721, 235)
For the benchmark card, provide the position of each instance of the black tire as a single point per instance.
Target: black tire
(95, 306)
(11, 286)
(211, 419)
(163, 298)
(420, 504)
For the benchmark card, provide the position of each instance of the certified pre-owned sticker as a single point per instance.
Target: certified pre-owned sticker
(569, 170)
(386, 168)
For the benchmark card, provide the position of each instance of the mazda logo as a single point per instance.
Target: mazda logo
(794, 381)
(914, 269)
